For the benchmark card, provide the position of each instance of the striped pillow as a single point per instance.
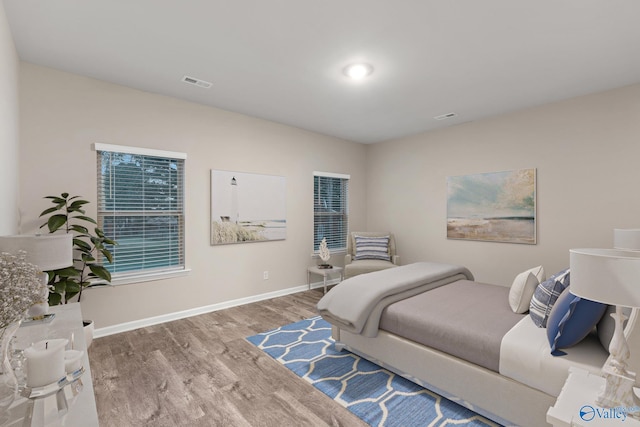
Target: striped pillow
(372, 248)
(546, 295)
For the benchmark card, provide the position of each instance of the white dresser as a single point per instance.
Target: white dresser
(82, 407)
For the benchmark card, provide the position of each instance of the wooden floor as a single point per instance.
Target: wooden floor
(201, 371)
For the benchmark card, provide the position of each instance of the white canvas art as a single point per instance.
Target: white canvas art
(247, 207)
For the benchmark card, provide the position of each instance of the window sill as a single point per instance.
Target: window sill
(333, 252)
(142, 277)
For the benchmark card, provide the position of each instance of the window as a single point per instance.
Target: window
(141, 207)
(330, 210)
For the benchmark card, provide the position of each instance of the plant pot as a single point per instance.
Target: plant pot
(88, 326)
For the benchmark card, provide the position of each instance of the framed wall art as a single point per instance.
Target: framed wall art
(495, 207)
(247, 207)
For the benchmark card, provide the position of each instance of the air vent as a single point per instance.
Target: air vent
(445, 116)
(197, 82)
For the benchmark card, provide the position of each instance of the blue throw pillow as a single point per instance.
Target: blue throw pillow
(571, 319)
(545, 297)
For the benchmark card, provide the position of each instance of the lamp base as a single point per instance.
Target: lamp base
(618, 392)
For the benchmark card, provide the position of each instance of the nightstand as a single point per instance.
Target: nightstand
(324, 272)
(576, 406)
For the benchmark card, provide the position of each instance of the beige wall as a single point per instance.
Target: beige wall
(586, 153)
(8, 129)
(63, 114)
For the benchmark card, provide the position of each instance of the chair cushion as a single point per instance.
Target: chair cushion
(372, 248)
(366, 266)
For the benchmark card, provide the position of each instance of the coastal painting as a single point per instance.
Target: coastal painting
(247, 207)
(495, 207)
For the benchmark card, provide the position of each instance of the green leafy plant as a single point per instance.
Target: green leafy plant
(68, 214)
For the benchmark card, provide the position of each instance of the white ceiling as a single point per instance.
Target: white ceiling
(282, 60)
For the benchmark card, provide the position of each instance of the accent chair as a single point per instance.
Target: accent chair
(369, 251)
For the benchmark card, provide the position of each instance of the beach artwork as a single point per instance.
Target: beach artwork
(495, 207)
(247, 207)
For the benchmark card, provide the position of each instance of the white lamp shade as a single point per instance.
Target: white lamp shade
(626, 238)
(46, 251)
(610, 276)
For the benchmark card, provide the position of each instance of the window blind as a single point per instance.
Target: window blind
(330, 210)
(141, 207)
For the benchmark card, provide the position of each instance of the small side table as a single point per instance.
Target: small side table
(576, 405)
(324, 272)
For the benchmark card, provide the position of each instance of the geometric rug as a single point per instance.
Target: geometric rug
(375, 395)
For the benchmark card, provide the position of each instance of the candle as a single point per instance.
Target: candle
(72, 360)
(45, 362)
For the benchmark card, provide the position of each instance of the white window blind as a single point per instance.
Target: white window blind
(141, 207)
(330, 210)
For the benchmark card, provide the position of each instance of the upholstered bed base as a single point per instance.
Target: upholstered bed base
(531, 377)
(486, 392)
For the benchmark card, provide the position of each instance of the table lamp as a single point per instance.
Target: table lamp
(47, 252)
(611, 276)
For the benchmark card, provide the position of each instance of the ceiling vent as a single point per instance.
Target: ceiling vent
(445, 116)
(197, 82)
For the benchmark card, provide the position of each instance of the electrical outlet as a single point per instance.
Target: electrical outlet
(265, 275)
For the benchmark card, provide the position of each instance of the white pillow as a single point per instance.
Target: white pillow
(523, 287)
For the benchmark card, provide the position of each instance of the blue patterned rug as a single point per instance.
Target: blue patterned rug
(375, 395)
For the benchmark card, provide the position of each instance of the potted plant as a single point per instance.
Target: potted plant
(68, 214)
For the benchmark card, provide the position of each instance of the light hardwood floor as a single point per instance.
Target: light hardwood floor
(201, 371)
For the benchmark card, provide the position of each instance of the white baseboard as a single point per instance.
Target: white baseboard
(150, 321)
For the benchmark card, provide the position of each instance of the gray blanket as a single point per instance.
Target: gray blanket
(355, 304)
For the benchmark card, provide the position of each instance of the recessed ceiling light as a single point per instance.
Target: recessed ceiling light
(358, 71)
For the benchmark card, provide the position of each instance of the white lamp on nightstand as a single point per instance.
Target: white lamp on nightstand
(626, 239)
(611, 276)
(47, 252)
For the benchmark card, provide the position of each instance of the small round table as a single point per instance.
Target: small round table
(324, 272)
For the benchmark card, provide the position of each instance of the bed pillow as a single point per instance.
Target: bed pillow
(523, 287)
(545, 297)
(571, 319)
(372, 248)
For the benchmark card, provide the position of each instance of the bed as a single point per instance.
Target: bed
(461, 339)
